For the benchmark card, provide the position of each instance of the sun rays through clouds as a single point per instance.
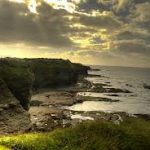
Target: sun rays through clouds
(98, 31)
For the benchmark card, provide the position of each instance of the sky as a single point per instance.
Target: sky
(99, 32)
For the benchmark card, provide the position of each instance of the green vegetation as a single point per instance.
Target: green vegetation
(133, 134)
(4, 148)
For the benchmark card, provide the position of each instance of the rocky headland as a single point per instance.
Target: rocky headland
(19, 78)
(35, 95)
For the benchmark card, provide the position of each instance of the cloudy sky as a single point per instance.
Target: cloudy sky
(102, 32)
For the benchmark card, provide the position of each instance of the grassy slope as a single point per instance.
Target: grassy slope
(133, 134)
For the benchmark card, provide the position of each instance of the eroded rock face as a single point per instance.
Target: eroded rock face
(13, 118)
(19, 79)
(52, 73)
(55, 72)
(81, 69)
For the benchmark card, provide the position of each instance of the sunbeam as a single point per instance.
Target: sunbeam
(56, 4)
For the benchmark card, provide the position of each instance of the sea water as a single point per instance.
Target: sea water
(132, 79)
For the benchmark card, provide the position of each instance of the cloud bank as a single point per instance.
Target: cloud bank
(94, 31)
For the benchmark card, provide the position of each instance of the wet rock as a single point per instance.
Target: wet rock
(43, 124)
(12, 105)
(79, 100)
(56, 116)
(129, 85)
(90, 98)
(107, 82)
(146, 86)
(67, 114)
(144, 116)
(84, 84)
(94, 76)
(35, 103)
(103, 88)
(116, 119)
(66, 123)
(95, 69)
(115, 90)
(5, 106)
(115, 95)
(1, 109)
(98, 88)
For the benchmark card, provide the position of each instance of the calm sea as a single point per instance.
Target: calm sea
(137, 102)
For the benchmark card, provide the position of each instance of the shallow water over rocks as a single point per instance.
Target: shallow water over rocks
(132, 79)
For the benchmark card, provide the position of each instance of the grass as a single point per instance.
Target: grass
(133, 134)
(4, 148)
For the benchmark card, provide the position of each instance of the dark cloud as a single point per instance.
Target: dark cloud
(102, 29)
(141, 16)
(89, 5)
(131, 47)
(102, 21)
(50, 27)
(47, 28)
(133, 35)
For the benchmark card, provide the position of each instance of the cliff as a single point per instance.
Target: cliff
(12, 116)
(18, 77)
(55, 72)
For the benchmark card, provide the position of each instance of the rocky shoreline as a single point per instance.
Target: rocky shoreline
(19, 77)
(49, 104)
(49, 108)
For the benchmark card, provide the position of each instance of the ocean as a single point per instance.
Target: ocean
(132, 79)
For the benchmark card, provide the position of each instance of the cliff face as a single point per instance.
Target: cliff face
(21, 75)
(80, 69)
(52, 72)
(18, 77)
(13, 117)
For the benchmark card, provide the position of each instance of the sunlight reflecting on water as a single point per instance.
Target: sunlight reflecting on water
(137, 102)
